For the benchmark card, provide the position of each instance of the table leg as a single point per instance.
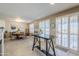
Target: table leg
(39, 44)
(33, 44)
(46, 47)
(53, 48)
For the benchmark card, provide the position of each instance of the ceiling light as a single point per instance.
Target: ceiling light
(19, 20)
(52, 3)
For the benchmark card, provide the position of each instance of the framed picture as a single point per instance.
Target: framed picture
(13, 27)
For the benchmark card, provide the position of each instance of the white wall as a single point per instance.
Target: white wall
(2, 23)
(22, 26)
(7, 25)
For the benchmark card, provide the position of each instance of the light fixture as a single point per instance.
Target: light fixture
(19, 20)
(52, 3)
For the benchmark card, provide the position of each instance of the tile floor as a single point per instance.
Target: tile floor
(23, 47)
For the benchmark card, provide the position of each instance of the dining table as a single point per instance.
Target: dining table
(18, 34)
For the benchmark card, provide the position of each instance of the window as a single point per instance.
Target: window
(65, 25)
(62, 31)
(45, 27)
(74, 32)
(58, 31)
(31, 28)
(64, 34)
(67, 31)
(58, 40)
(42, 27)
(65, 40)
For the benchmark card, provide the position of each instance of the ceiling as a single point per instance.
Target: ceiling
(31, 11)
